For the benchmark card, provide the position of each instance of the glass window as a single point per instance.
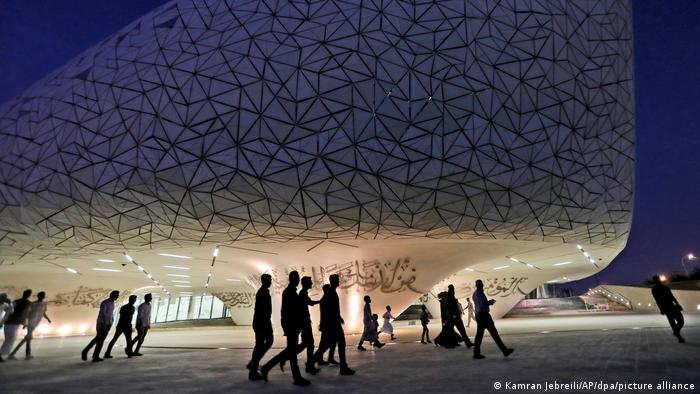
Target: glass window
(162, 308)
(205, 309)
(172, 309)
(194, 312)
(184, 308)
(217, 308)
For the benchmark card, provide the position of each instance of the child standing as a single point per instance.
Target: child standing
(387, 327)
(424, 322)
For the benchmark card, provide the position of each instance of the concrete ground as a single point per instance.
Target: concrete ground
(606, 348)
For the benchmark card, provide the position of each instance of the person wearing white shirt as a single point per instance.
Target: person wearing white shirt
(104, 324)
(485, 322)
(143, 323)
(37, 311)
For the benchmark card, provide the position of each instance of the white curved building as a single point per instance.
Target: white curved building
(397, 143)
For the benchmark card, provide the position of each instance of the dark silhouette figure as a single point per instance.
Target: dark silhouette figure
(291, 325)
(16, 318)
(104, 324)
(447, 338)
(307, 335)
(456, 315)
(373, 333)
(669, 306)
(326, 337)
(37, 311)
(143, 323)
(424, 320)
(366, 322)
(262, 325)
(485, 322)
(333, 322)
(126, 313)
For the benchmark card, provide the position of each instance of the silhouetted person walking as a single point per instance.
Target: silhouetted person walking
(334, 324)
(424, 320)
(37, 311)
(485, 322)
(387, 327)
(143, 323)
(327, 341)
(291, 325)
(447, 336)
(455, 312)
(18, 316)
(126, 313)
(104, 323)
(469, 312)
(366, 322)
(307, 335)
(262, 325)
(669, 306)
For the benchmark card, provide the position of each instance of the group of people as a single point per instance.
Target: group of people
(296, 321)
(21, 312)
(126, 313)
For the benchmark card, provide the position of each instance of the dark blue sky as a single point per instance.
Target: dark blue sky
(37, 36)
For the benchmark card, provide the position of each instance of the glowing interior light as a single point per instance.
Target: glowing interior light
(139, 267)
(65, 330)
(180, 281)
(579, 247)
(71, 270)
(216, 252)
(188, 286)
(128, 257)
(233, 280)
(106, 270)
(175, 256)
(513, 259)
(592, 261)
(82, 329)
(105, 261)
(469, 269)
(586, 254)
(176, 267)
(43, 329)
(209, 274)
(562, 263)
(149, 276)
(178, 276)
(501, 267)
(530, 265)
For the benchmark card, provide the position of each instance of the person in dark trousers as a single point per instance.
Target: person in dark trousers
(37, 312)
(16, 318)
(307, 335)
(262, 325)
(334, 323)
(424, 320)
(126, 313)
(143, 323)
(669, 306)
(456, 315)
(447, 337)
(366, 322)
(291, 324)
(485, 322)
(104, 324)
(326, 341)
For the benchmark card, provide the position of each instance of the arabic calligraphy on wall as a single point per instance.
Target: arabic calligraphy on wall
(236, 299)
(365, 276)
(501, 287)
(82, 296)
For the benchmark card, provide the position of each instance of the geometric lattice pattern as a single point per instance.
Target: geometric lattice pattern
(225, 121)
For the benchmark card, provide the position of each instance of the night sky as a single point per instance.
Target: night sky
(38, 36)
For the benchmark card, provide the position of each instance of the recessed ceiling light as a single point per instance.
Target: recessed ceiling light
(180, 281)
(564, 263)
(179, 276)
(126, 256)
(501, 267)
(183, 286)
(177, 256)
(105, 261)
(553, 280)
(106, 270)
(176, 267)
(71, 270)
(530, 265)
(233, 280)
(469, 269)
(513, 259)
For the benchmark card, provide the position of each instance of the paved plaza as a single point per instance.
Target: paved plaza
(631, 348)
